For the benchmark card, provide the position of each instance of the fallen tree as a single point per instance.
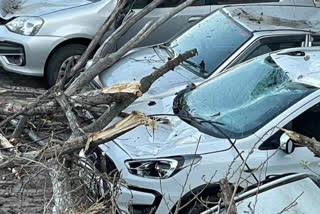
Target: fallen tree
(51, 126)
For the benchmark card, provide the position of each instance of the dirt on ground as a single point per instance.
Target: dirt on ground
(26, 192)
(8, 78)
(29, 191)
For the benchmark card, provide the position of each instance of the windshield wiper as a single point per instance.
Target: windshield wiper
(200, 66)
(167, 48)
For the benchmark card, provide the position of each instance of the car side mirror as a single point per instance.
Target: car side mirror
(286, 144)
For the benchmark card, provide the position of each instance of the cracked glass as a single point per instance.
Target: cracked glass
(245, 98)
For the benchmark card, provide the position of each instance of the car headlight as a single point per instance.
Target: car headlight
(161, 167)
(28, 26)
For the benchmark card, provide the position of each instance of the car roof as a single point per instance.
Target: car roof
(302, 65)
(275, 17)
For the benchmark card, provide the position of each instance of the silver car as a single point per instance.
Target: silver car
(39, 37)
(225, 38)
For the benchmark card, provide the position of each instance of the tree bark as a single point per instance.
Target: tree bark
(312, 144)
(226, 195)
(107, 61)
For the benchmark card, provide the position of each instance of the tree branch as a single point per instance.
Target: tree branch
(226, 195)
(312, 144)
(97, 38)
(103, 63)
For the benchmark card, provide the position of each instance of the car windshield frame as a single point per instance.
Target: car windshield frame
(230, 107)
(190, 64)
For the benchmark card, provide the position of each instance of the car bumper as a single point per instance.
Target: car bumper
(141, 195)
(25, 54)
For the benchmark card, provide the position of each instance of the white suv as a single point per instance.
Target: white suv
(209, 128)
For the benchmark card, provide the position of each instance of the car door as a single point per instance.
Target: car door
(176, 24)
(306, 121)
(315, 40)
(267, 44)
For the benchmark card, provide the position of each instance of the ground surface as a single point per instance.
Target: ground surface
(28, 193)
(7, 78)
(23, 194)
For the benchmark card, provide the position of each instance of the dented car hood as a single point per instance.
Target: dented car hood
(174, 136)
(141, 62)
(171, 137)
(38, 7)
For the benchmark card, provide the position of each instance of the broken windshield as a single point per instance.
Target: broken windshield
(216, 38)
(246, 98)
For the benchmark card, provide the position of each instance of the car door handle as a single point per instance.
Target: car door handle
(194, 18)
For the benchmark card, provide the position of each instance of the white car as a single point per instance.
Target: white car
(213, 126)
(298, 193)
(226, 37)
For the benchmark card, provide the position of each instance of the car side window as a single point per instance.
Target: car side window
(221, 2)
(139, 4)
(268, 44)
(267, 48)
(307, 123)
(316, 41)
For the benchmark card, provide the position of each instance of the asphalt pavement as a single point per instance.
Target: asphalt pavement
(8, 78)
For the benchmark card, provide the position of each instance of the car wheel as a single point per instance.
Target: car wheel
(60, 59)
(199, 205)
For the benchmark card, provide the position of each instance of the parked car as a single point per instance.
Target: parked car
(276, 194)
(205, 129)
(229, 36)
(41, 36)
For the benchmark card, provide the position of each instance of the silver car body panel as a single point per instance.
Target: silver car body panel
(274, 23)
(185, 19)
(39, 7)
(77, 25)
(267, 17)
(141, 61)
(74, 19)
(137, 64)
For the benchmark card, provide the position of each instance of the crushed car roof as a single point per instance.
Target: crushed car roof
(271, 17)
(300, 64)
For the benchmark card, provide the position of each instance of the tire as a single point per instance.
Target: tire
(57, 59)
(197, 207)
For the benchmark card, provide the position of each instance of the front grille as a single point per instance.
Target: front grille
(13, 53)
(10, 48)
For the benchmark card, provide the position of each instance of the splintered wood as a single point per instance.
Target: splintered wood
(133, 120)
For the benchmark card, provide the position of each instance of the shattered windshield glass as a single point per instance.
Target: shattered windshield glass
(216, 38)
(246, 98)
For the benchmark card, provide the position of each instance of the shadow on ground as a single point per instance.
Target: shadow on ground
(12, 79)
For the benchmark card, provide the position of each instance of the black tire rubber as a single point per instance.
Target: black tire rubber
(197, 207)
(58, 57)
